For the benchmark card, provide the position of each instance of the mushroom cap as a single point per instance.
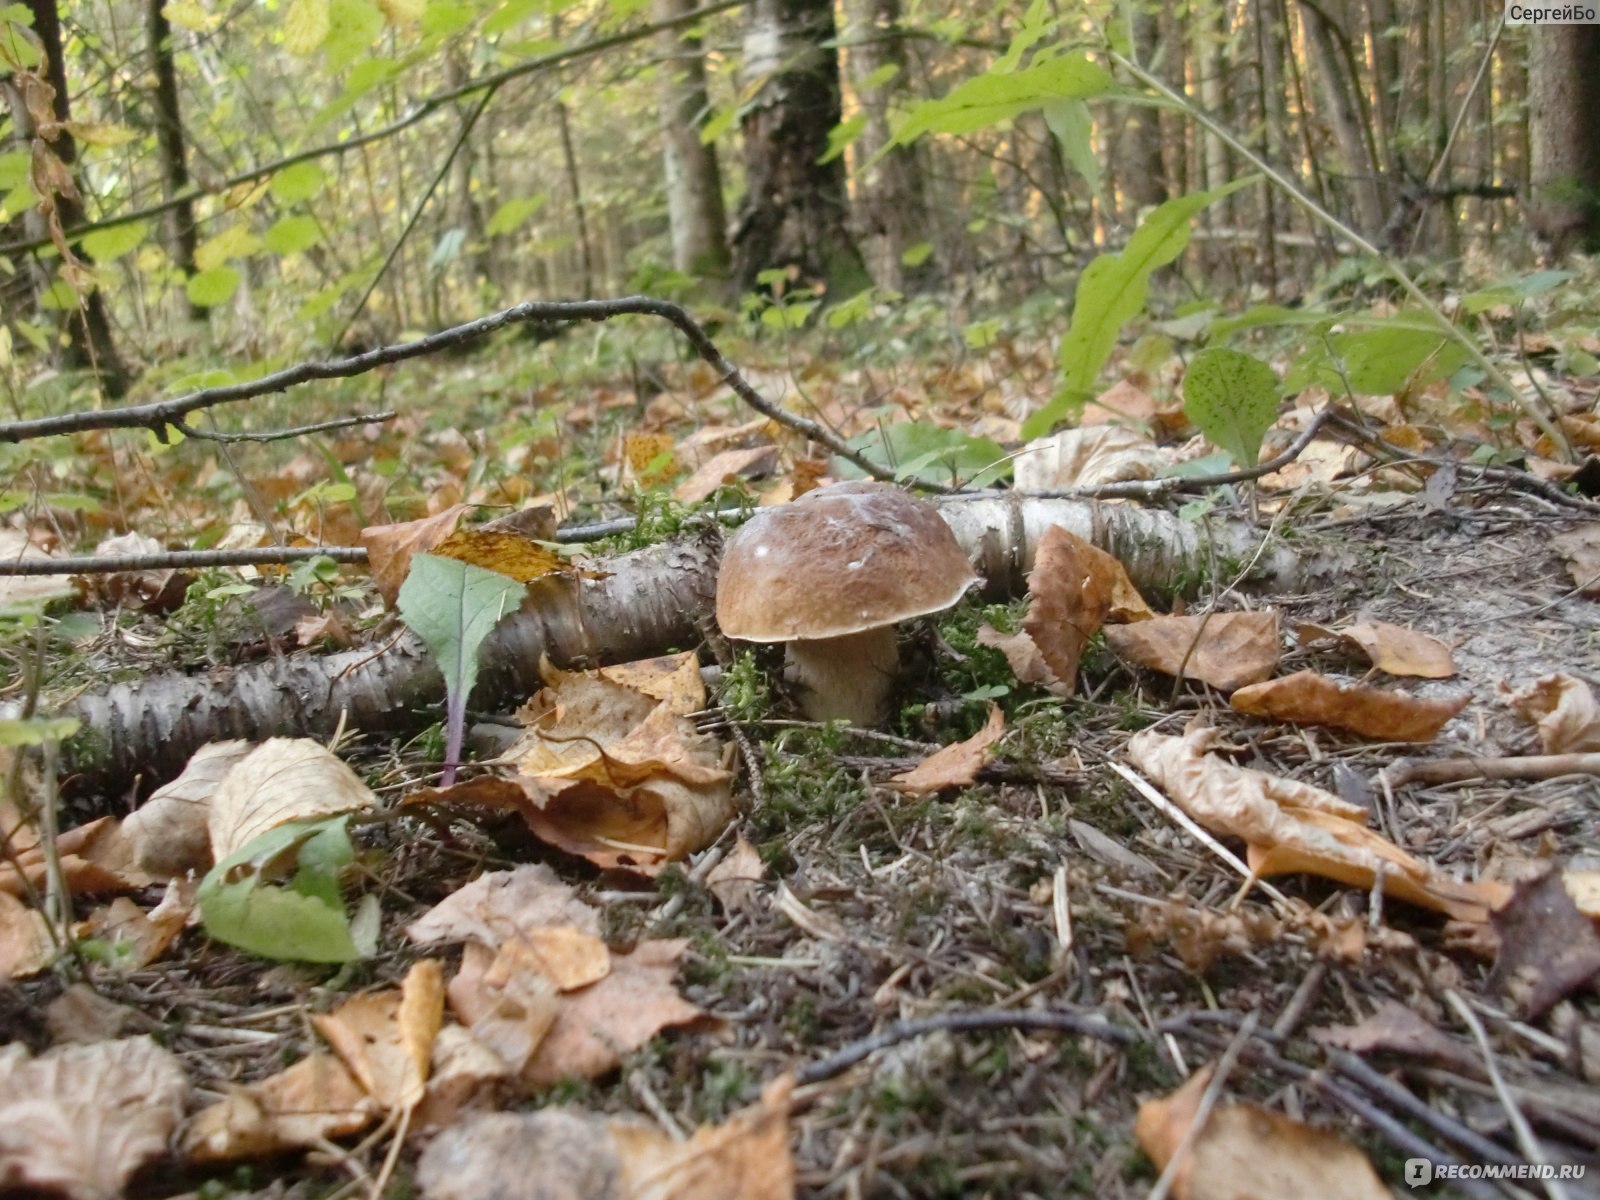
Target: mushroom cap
(840, 560)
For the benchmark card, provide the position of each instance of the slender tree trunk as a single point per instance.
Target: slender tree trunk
(1269, 99)
(170, 144)
(1141, 173)
(91, 345)
(795, 214)
(1344, 115)
(1564, 128)
(580, 211)
(695, 211)
(891, 211)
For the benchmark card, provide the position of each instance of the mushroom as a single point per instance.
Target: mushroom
(829, 575)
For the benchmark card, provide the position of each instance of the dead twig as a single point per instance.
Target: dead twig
(1459, 770)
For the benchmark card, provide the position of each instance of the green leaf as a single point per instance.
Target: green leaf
(298, 182)
(915, 256)
(444, 18)
(1510, 293)
(1233, 398)
(354, 25)
(511, 14)
(103, 245)
(245, 901)
(453, 606)
(1111, 292)
(513, 214)
(929, 453)
(211, 288)
(36, 731)
(1385, 359)
(14, 167)
(992, 98)
(1069, 120)
(790, 314)
(878, 78)
(843, 135)
(290, 235)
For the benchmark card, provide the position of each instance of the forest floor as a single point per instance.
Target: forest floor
(1048, 883)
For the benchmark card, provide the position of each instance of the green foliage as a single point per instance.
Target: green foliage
(930, 454)
(453, 606)
(991, 98)
(1111, 292)
(279, 895)
(211, 288)
(36, 731)
(1233, 398)
(1390, 354)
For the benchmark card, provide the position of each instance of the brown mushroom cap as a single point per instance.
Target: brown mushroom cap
(838, 561)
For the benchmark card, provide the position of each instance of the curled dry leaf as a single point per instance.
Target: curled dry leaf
(156, 589)
(25, 943)
(390, 547)
(1070, 592)
(508, 1007)
(733, 881)
(1027, 664)
(1580, 550)
(1548, 948)
(169, 834)
(312, 1101)
(570, 1154)
(1247, 1150)
(1291, 826)
(281, 780)
(502, 905)
(957, 765)
(1393, 649)
(616, 775)
(725, 467)
(1562, 709)
(463, 1073)
(136, 937)
(1395, 1028)
(1307, 698)
(596, 1026)
(385, 1039)
(1084, 457)
(79, 1120)
(94, 858)
(1223, 650)
(81, 1014)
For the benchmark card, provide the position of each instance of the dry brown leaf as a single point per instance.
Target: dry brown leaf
(1548, 949)
(139, 938)
(94, 858)
(614, 775)
(1563, 709)
(169, 833)
(1396, 1028)
(1085, 457)
(282, 780)
(957, 765)
(157, 589)
(1290, 826)
(81, 1014)
(725, 467)
(1393, 649)
(747, 1157)
(504, 552)
(79, 1120)
(1027, 664)
(1580, 549)
(502, 905)
(312, 1101)
(597, 1025)
(733, 881)
(509, 1010)
(327, 627)
(570, 1154)
(1123, 401)
(1307, 698)
(1225, 650)
(390, 547)
(1069, 595)
(464, 1073)
(25, 943)
(18, 590)
(1244, 1150)
(385, 1039)
(647, 458)
(673, 679)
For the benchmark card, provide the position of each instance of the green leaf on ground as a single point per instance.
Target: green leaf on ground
(1233, 398)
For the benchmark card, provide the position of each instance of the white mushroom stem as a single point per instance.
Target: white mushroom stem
(848, 677)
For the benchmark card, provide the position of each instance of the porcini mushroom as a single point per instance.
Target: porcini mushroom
(830, 575)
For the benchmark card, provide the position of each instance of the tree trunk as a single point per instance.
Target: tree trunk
(91, 345)
(639, 604)
(695, 211)
(891, 211)
(170, 147)
(1564, 131)
(795, 214)
(1344, 115)
(1141, 173)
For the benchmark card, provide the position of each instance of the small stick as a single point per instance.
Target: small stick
(1459, 770)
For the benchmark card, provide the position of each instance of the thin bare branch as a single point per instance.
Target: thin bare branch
(283, 435)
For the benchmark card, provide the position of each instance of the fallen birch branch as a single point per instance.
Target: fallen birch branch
(642, 603)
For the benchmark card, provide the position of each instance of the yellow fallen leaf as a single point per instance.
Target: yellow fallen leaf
(956, 765)
(1225, 650)
(1307, 698)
